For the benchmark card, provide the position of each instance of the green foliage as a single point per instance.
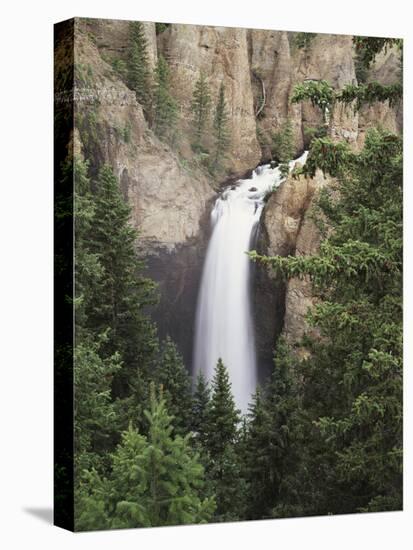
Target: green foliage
(94, 412)
(352, 379)
(200, 409)
(113, 337)
(322, 95)
(303, 40)
(313, 132)
(319, 92)
(283, 146)
(368, 47)
(165, 106)
(111, 293)
(154, 481)
(83, 76)
(124, 132)
(256, 462)
(224, 466)
(228, 485)
(361, 68)
(123, 292)
(223, 417)
(274, 447)
(366, 50)
(221, 131)
(173, 377)
(86, 117)
(88, 271)
(121, 68)
(161, 27)
(324, 434)
(201, 105)
(138, 64)
(329, 156)
(370, 93)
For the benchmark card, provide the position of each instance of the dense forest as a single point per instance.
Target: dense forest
(323, 434)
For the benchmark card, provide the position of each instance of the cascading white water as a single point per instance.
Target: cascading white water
(224, 326)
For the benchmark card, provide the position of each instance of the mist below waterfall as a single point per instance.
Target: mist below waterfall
(224, 327)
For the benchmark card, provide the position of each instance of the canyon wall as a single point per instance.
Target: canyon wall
(170, 195)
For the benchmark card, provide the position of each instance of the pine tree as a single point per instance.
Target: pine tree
(154, 481)
(273, 448)
(227, 484)
(255, 459)
(118, 305)
(200, 405)
(352, 379)
(223, 416)
(172, 375)
(88, 270)
(138, 65)
(221, 130)
(91, 510)
(285, 452)
(201, 104)
(283, 149)
(224, 468)
(94, 412)
(165, 106)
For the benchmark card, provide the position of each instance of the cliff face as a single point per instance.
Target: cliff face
(222, 55)
(273, 75)
(168, 200)
(385, 69)
(290, 231)
(259, 69)
(287, 218)
(170, 195)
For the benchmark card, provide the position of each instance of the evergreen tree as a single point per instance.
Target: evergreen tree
(283, 143)
(221, 130)
(256, 461)
(323, 95)
(273, 448)
(227, 484)
(200, 405)
(154, 481)
(224, 468)
(319, 92)
(119, 302)
(94, 412)
(201, 104)
(352, 379)
(138, 65)
(172, 375)
(350, 418)
(93, 408)
(87, 268)
(368, 47)
(223, 416)
(165, 106)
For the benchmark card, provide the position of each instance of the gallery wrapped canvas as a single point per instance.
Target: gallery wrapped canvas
(228, 274)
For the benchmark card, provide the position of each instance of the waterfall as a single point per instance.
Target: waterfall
(224, 325)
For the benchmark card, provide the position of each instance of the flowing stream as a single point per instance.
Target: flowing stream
(224, 327)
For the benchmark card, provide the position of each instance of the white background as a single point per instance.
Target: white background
(26, 274)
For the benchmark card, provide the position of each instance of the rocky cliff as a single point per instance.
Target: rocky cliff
(170, 195)
(168, 200)
(287, 221)
(222, 55)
